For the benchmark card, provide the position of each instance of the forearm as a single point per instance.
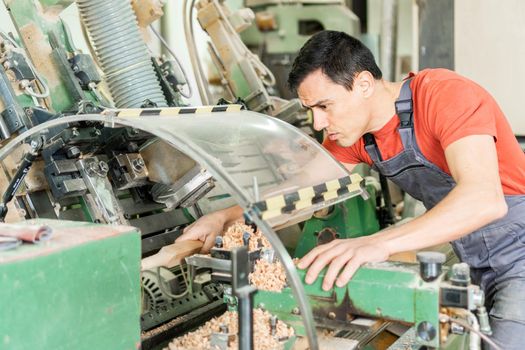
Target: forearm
(464, 210)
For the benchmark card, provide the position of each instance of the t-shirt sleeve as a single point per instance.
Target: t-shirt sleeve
(460, 108)
(342, 154)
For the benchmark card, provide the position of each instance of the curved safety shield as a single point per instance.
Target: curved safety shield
(273, 170)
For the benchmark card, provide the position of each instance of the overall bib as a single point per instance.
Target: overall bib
(495, 252)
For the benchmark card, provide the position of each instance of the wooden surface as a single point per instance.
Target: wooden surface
(172, 255)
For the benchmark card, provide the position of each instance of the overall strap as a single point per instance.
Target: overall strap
(405, 112)
(371, 148)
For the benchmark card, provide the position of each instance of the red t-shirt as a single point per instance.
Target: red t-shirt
(447, 107)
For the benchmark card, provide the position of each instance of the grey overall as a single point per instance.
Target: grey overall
(495, 252)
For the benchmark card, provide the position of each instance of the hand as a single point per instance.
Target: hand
(344, 256)
(205, 229)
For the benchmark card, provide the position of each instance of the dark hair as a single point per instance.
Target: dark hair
(337, 54)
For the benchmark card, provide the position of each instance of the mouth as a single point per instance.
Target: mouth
(333, 136)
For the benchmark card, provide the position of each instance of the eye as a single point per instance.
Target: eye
(322, 107)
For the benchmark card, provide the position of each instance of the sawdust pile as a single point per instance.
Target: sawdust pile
(263, 340)
(232, 237)
(268, 276)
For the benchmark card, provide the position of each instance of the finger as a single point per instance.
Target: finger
(347, 273)
(186, 234)
(312, 255)
(333, 270)
(319, 263)
(209, 242)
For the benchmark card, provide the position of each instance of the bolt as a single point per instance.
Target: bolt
(96, 132)
(73, 152)
(92, 168)
(75, 132)
(331, 315)
(34, 144)
(103, 168)
(296, 311)
(75, 68)
(426, 331)
(456, 328)
(246, 238)
(138, 164)
(218, 242)
(273, 325)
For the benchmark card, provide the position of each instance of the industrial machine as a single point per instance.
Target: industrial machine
(99, 147)
(240, 73)
(282, 27)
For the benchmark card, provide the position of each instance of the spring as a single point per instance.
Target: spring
(121, 52)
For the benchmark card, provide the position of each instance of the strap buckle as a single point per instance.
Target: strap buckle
(404, 106)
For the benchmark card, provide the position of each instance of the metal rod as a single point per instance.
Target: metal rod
(244, 293)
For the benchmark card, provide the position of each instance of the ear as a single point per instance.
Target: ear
(365, 83)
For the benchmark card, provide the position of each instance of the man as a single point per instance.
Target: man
(442, 139)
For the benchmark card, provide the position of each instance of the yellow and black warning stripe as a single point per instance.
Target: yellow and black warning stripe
(151, 112)
(309, 196)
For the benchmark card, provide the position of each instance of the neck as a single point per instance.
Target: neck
(383, 103)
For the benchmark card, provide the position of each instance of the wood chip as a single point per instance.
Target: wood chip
(232, 237)
(263, 339)
(268, 276)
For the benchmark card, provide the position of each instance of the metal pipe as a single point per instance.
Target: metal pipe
(121, 51)
(389, 39)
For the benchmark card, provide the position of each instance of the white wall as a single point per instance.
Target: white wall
(174, 34)
(490, 49)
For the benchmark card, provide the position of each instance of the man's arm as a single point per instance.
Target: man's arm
(211, 225)
(475, 201)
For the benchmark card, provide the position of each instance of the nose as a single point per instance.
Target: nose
(320, 120)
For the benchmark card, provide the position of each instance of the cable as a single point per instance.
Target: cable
(187, 10)
(163, 287)
(483, 336)
(28, 89)
(31, 92)
(165, 44)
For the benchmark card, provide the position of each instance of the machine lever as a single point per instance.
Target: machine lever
(18, 178)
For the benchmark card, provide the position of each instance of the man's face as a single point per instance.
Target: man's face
(343, 114)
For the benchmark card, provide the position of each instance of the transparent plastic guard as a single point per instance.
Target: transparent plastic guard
(265, 157)
(284, 165)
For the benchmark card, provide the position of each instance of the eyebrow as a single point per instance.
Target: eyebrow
(316, 104)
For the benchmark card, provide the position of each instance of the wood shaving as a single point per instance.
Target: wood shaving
(268, 276)
(263, 340)
(232, 237)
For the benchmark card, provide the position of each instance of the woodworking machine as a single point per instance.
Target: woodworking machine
(98, 144)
